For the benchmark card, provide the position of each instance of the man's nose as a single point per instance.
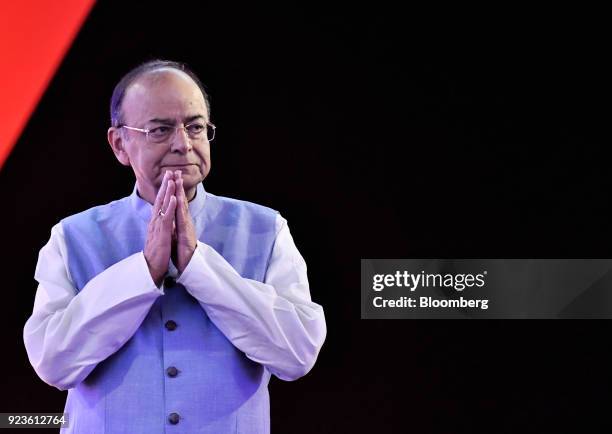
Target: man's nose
(180, 141)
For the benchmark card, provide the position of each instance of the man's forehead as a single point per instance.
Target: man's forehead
(162, 92)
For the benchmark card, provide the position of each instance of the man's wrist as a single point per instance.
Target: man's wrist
(156, 276)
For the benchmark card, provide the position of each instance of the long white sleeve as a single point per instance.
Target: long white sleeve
(68, 334)
(274, 323)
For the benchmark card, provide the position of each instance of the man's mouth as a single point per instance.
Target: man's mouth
(178, 165)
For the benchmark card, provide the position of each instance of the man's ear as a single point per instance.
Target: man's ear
(115, 140)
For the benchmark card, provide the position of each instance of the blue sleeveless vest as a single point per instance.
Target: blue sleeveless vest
(218, 389)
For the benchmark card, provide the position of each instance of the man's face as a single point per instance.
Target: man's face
(164, 97)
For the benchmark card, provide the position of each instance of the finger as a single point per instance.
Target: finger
(181, 203)
(168, 218)
(161, 194)
(180, 191)
(170, 191)
(159, 199)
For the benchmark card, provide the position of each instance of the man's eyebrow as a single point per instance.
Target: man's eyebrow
(193, 118)
(168, 121)
(162, 121)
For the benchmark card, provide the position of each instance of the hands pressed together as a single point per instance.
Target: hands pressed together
(171, 233)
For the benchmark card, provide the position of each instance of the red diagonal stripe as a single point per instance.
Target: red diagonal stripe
(34, 36)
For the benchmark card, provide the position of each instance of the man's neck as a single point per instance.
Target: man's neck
(191, 194)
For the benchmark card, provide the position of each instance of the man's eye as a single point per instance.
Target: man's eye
(159, 130)
(195, 128)
(160, 133)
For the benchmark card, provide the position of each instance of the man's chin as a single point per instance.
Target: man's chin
(191, 181)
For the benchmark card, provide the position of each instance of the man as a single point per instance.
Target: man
(167, 311)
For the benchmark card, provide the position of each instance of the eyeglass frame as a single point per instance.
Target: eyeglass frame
(146, 131)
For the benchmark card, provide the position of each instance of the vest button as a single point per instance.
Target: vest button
(170, 325)
(172, 371)
(169, 282)
(173, 418)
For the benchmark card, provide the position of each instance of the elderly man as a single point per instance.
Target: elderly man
(167, 310)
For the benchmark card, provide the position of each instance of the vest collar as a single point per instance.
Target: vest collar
(143, 208)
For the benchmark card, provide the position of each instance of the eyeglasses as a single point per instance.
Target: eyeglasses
(163, 133)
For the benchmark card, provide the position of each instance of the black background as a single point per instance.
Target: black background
(378, 133)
